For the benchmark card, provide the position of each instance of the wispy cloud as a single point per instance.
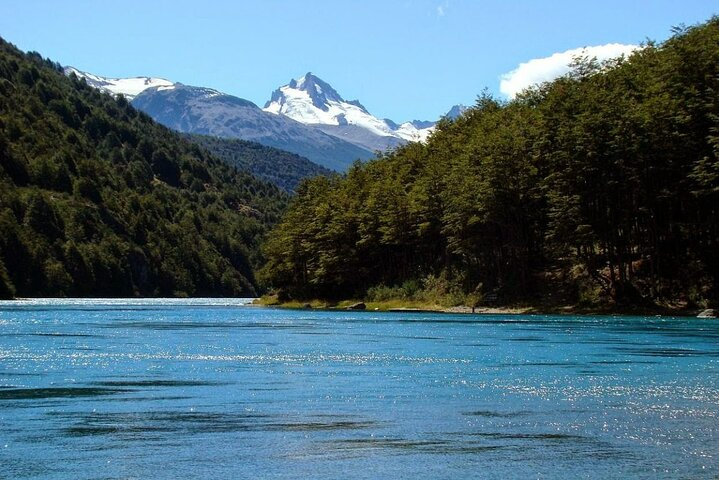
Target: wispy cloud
(545, 69)
(442, 8)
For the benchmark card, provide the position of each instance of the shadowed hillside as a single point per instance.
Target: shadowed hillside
(96, 199)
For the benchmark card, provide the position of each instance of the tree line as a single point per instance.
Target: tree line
(284, 169)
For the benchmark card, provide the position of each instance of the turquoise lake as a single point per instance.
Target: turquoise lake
(213, 389)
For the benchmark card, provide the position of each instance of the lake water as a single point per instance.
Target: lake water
(213, 389)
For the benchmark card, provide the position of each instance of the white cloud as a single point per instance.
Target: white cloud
(545, 69)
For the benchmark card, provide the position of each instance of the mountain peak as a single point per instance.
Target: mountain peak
(319, 94)
(312, 101)
(455, 112)
(318, 90)
(300, 81)
(307, 76)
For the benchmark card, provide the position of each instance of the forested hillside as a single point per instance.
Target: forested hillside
(96, 199)
(284, 169)
(601, 187)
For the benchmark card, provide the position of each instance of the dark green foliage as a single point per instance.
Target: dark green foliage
(98, 200)
(284, 169)
(602, 186)
(7, 289)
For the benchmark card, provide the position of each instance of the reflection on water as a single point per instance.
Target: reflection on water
(214, 388)
(190, 423)
(10, 393)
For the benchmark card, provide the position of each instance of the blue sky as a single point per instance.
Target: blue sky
(403, 59)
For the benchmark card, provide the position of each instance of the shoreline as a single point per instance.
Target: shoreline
(399, 306)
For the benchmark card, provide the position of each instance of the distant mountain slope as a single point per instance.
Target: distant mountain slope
(209, 112)
(312, 101)
(284, 169)
(96, 199)
(307, 117)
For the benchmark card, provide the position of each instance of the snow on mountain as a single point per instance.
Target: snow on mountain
(208, 112)
(312, 101)
(308, 100)
(410, 132)
(129, 87)
(307, 116)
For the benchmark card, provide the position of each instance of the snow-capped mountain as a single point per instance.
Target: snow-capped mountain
(307, 117)
(312, 101)
(209, 112)
(129, 87)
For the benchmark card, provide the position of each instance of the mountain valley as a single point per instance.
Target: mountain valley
(306, 117)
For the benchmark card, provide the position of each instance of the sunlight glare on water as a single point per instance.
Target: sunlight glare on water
(213, 388)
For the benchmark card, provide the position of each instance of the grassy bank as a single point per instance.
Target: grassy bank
(398, 304)
(384, 305)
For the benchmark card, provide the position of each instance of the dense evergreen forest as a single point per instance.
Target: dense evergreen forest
(96, 199)
(600, 188)
(284, 169)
